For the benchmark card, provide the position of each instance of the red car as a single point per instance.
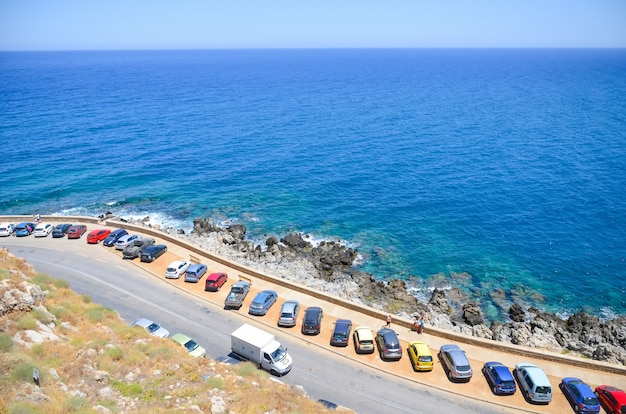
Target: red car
(75, 232)
(215, 281)
(96, 236)
(612, 399)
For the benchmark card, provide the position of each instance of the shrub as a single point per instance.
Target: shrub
(214, 382)
(27, 322)
(61, 284)
(42, 316)
(128, 390)
(86, 298)
(95, 314)
(38, 349)
(115, 353)
(248, 369)
(4, 274)
(23, 371)
(23, 408)
(6, 342)
(75, 403)
(42, 280)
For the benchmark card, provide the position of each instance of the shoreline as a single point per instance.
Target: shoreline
(328, 268)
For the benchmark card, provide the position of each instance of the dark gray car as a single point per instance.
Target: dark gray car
(136, 247)
(341, 333)
(312, 322)
(237, 294)
(151, 253)
(388, 344)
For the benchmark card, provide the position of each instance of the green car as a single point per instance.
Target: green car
(192, 346)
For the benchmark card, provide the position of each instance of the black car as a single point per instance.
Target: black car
(138, 245)
(60, 230)
(113, 237)
(312, 322)
(151, 253)
(341, 333)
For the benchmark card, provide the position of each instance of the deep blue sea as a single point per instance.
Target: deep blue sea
(505, 166)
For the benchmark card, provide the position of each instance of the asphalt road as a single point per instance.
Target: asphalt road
(134, 293)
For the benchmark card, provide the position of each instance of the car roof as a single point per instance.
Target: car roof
(421, 347)
(264, 294)
(180, 338)
(364, 332)
(195, 266)
(143, 322)
(342, 323)
(241, 283)
(215, 276)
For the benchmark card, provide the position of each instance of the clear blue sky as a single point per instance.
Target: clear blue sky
(197, 24)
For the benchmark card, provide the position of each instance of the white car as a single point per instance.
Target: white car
(126, 240)
(43, 229)
(151, 327)
(6, 229)
(176, 269)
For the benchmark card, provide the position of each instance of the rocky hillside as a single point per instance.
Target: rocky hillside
(61, 353)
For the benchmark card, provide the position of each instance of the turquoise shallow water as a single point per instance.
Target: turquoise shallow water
(508, 166)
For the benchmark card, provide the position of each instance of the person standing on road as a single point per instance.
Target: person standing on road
(388, 325)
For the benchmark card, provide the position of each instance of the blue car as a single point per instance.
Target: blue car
(113, 237)
(24, 229)
(499, 378)
(262, 302)
(580, 395)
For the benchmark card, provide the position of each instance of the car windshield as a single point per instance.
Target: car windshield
(191, 345)
(285, 315)
(279, 353)
(153, 327)
(425, 358)
(467, 368)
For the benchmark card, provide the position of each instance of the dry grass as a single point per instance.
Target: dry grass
(97, 351)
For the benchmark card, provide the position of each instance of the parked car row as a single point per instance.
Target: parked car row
(132, 246)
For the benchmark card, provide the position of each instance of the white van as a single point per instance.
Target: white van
(533, 382)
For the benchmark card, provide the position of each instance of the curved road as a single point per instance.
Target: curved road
(134, 292)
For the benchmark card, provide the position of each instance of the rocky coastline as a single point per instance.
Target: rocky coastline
(329, 267)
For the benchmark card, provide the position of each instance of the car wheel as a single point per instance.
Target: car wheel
(495, 390)
(273, 372)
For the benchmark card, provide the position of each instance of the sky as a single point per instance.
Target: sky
(228, 24)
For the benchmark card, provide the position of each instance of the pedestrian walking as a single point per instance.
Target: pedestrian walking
(388, 325)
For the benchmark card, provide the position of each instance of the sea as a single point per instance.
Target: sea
(501, 172)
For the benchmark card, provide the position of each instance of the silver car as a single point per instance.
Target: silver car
(388, 344)
(289, 313)
(456, 364)
(151, 327)
(126, 241)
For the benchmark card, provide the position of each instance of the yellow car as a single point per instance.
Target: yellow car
(420, 356)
